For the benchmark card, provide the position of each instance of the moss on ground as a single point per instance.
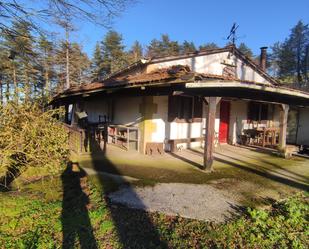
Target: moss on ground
(247, 175)
(29, 218)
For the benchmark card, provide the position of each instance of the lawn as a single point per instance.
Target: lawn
(247, 175)
(71, 211)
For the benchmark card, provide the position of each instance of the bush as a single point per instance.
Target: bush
(30, 137)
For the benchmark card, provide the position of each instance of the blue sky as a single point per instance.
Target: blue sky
(261, 23)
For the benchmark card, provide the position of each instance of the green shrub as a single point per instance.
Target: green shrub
(30, 137)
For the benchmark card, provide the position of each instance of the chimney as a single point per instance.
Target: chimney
(263, 58)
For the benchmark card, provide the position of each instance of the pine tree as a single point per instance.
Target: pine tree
(46, 53)
(243, 48)
(290, 58)
(154, 48)
(79, 65)
(187, 47)
(210, 45)
(96, 67)
(136, 52)
(114, 57)
(163, 47)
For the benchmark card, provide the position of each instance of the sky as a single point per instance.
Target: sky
(261, 23)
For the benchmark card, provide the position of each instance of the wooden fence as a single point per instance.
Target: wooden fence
(85, 141)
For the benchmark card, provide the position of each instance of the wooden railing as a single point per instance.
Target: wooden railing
(76, 138)
(85, 141)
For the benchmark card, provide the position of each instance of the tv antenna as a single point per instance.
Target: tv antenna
(232, 36)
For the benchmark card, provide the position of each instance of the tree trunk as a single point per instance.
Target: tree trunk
(47, 84)
(7, 93)
(27, 87)
(1, 91)
(67, 60)
(16, 90)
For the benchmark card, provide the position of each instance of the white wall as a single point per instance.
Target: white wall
(94, 108)
(238, 120)
(127, 110)
(213, 64)
(303, 128)
(160, 119)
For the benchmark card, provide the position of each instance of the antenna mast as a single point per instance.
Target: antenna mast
(232, 36)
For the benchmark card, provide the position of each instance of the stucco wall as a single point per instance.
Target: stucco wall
(94, 108)
(303, 134)
(127, 110)
(160, 119)
(213, 64)
(238, 120)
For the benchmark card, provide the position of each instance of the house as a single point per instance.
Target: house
(193, 100)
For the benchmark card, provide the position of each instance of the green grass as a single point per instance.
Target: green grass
(37, 214)
(248, 175)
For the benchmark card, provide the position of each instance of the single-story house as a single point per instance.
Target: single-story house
(197, 99)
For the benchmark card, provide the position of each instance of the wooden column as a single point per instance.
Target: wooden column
(210, 132)
(283, 126)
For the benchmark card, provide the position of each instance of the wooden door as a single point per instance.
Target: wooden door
(224, 121)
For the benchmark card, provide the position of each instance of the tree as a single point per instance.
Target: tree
(100, 12)
(154, 48)
(23, 63)
(96, 67)
(290, 58)
(46, 53)
(136, 52)
(163, 47)
(210, 45)
(243, 48)
(113, 55)
(187, 47)
(78, 67)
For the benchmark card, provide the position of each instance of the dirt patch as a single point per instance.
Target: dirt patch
(201, 202)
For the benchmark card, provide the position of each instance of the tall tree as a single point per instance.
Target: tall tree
(187, 47)
(243, 48)
(210, 45)
(136, 52)
(290, 58)
(96, 63)
(163, 47)
(114, 56)
(46, 53)
(78, 68)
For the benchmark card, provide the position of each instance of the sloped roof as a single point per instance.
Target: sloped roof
(175, 74)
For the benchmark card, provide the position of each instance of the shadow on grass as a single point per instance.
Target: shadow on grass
(74, 217)
(287, 179)
(177, 156)
(257, 170)
(134, 228)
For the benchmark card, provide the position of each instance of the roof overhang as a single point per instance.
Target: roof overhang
(250, 91)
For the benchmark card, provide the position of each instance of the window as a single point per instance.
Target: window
(185, 109)
(257, 111)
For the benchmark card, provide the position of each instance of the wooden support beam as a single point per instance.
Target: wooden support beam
(283, 127)
(210, 132)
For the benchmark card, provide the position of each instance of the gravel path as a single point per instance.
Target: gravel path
(201, 202)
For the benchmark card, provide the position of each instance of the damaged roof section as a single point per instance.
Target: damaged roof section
(178, 71)
(173, 74)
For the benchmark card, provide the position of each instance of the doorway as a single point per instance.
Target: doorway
(225, 107)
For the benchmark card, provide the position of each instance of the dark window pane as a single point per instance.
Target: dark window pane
(264, 112)
(198, 108)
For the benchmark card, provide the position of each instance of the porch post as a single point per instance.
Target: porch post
(210, 132)
(284, 111)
